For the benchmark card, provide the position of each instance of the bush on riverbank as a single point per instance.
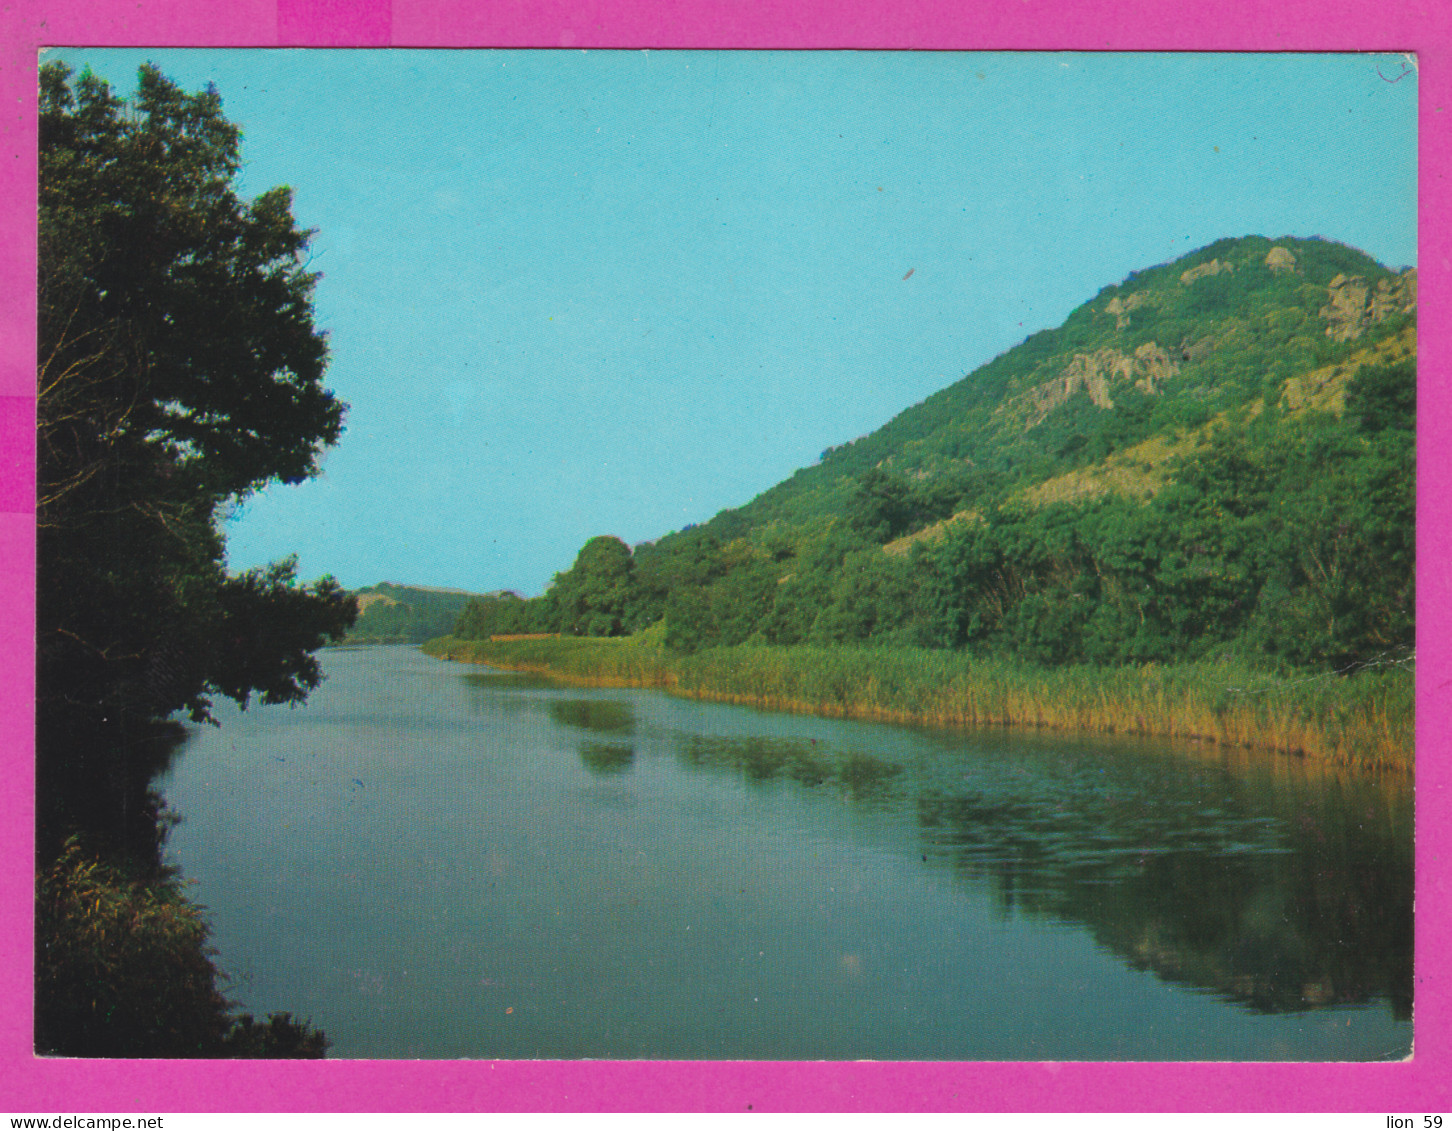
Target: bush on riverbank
(1363, 719)
(124, 969)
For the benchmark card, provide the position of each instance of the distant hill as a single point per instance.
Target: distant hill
(405, 614)
(1212, 457)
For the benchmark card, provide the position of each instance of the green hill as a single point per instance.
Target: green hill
(1167, 349)
(1211, 458)
(405, 614)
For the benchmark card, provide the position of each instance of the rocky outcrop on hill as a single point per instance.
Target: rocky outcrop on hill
(1208, 332)
(1152, 367)
(1121, 307)
(1214, 267)
(1147, 368)
(1279, 260)
(1353, 305)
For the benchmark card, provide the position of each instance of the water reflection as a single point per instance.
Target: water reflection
(804, 761)
(604, 716)
(1262, 884)
(489, 679)
(540, 871)
(607, 759)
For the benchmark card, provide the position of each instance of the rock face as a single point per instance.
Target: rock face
(1152, 367)
(1280, 260)
(1096, 373)
(1214, 267)
(1121, 307)
(1353, 305)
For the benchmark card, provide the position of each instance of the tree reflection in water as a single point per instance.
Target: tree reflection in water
(1261, 881)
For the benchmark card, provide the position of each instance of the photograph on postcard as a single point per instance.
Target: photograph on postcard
(726, 555)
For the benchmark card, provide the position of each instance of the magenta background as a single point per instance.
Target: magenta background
(48, 1086)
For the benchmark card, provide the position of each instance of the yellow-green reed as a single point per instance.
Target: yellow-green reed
(1363, 720)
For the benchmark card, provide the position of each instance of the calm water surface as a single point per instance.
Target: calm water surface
(434, 860)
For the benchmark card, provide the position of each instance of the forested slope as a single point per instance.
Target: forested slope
(1211, 459)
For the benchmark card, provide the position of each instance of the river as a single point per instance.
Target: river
(432, 860)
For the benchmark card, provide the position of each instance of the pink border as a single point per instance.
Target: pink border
(27, 1084)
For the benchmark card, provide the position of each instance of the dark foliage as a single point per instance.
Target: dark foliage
(593, 597)
(179, 371)
(123, 969)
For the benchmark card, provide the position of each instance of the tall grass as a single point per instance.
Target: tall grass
(123, 968)
(1364, 720)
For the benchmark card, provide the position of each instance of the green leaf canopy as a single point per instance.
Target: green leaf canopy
(179, 370)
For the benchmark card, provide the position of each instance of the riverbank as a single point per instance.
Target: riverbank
(125, 968)
(1365, 720)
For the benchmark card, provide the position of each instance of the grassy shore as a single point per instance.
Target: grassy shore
(1363, 720)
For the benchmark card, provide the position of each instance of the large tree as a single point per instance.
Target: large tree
(594, 595)
(180, 370)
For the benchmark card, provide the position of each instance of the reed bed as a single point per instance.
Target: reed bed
(1364, 720)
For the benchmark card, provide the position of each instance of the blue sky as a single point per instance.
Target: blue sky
(576, 293)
